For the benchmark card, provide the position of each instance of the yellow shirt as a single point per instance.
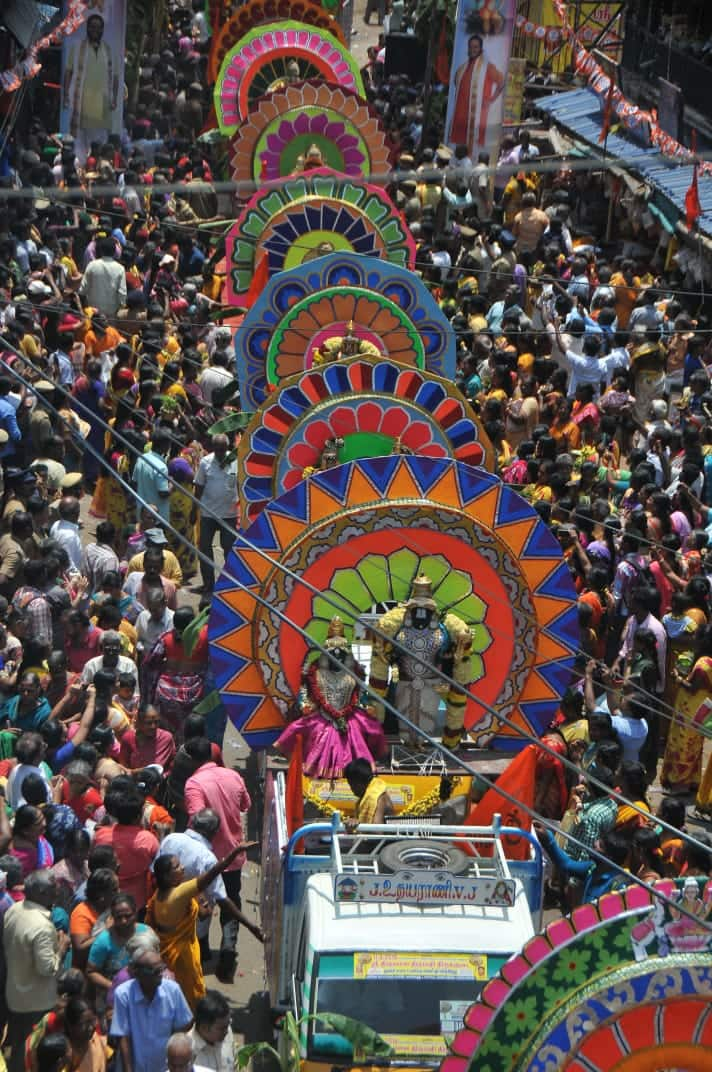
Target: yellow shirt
(367, 804)
(171, 567)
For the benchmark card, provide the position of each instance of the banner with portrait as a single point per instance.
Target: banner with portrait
(480, 61)
(92, 90)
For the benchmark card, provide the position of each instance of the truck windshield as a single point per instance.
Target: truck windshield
(416, 1003)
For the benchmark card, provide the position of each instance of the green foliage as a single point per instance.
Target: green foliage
(230, 424)
(365, 1042)
(192, 631)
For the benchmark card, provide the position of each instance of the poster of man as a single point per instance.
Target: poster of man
(481, 52)
(93, 76)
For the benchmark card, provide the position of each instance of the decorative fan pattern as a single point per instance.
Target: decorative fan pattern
(368, 403)
(258, 64)
(257, 13)
(308, 216)
(395, 511)
(285, 124)
(393, 293)
(619, 985)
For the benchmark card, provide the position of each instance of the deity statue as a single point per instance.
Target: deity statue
(328, 459)
(427, 640)
(343, 346)
(314, 158)
(333, 725)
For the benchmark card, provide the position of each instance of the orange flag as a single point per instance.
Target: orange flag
(259, 281)
(517, 780)
(293, 790)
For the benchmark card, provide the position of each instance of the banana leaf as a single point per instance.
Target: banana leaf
(222, 395)
(192, 632)
(233, 422)
(365, 1042)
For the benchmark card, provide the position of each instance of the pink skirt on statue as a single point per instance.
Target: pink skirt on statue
(326, 751)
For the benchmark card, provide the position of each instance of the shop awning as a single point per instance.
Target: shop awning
(579, 112)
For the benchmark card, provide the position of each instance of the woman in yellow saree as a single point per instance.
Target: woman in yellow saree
(172, 912)
(683, 753)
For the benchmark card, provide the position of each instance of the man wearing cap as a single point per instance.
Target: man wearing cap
(41, 427)
(103, 285)
(156, 537)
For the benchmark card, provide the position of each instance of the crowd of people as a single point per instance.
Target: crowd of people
(587, 358)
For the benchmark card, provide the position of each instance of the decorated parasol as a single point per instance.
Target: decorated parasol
(366, 406)
(261, 62)
(287, 124)
(621, 985)
(308, 216)
(389, 308)
(360, 533)
(257, 13)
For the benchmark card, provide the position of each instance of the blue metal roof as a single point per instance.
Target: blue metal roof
(580, 111)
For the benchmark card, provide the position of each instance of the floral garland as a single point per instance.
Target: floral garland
(28, 67)
(630, 115)
(418, 807)
(339, 718)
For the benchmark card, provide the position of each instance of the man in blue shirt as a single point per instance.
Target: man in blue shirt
(150, 477)
(8, 419)
(148, 1009)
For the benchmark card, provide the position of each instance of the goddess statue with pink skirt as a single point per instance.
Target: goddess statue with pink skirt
(333, 725)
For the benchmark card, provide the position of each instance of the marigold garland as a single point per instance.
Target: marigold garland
(417, 808)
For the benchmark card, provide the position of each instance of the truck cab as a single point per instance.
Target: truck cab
(398, 926)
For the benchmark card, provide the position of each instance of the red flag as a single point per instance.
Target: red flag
(259, 281)
(442, 59)
(294, 796)
(693, 208)
(607, 112)
(518, 781)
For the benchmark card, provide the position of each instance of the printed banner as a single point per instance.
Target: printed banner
(480, 62)
(92, 99)
(389, 965)
(425, 888)
(514, 92)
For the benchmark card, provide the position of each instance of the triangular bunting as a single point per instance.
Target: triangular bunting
(334, 482)
(558, 584)
(517, 534)
(512, 507)
(293, 503)
(380, 471)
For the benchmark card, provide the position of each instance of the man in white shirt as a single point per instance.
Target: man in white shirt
(216, 487)
(103, 285)
(153, 622)
(587, 367)
(66, 531)
(215, 376)
(110, 659)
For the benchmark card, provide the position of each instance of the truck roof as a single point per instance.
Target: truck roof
(363, 925)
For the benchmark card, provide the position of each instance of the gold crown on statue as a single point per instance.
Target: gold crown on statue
(422, 593)
(336, 635)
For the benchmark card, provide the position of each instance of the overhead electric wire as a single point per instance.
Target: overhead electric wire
(661, 705)
(349, 612)
(438, 746)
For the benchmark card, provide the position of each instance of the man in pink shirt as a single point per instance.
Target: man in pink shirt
(147, 744)
(224, 791)
(135, 847)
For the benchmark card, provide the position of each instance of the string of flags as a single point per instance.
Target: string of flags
(628, 114)
(29, 65)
